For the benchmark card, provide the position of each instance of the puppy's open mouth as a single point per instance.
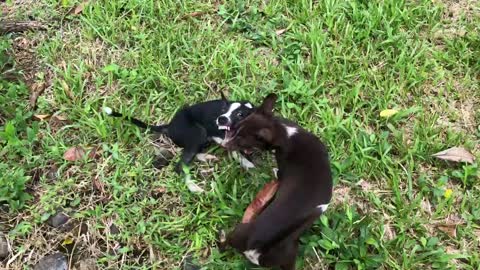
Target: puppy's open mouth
(224, 127)
(230, 134)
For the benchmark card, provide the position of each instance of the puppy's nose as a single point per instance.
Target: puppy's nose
(222, 120)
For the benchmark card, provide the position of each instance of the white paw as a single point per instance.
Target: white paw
(246, 164)
(206, 157)
(192, 186)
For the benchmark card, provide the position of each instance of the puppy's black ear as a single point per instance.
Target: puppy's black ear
(223, 96)
(265, 134)
(267, 105)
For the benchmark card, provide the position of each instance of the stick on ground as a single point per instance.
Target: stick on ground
(15, 27)
(260, 201)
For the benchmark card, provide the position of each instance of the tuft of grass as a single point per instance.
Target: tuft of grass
(335, 66)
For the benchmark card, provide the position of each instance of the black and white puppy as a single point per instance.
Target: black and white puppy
(194, 127)
(304, 190)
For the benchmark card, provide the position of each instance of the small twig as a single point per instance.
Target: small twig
(15, 27)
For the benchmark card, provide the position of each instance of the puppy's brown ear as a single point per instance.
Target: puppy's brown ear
(265, 134)
(267, 105)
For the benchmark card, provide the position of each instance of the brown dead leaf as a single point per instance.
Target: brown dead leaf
(195, 14)
(98, 185)
(457, 154)
(60, 117)
(158, 192)
(161, 190)
(94, 153)
(79, 8)
(74, 153)
(66, 89)
(41, 116)
(452, 250)
(36, 90)
(450, 229)
(281, 31)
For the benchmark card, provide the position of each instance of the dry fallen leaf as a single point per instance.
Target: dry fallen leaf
(66, 89)
(36, 90)
(160, 190)
(450, 229)
(41, 116)
(60, 117)
(281, 31)
(79, 8)
(452, 250)
(94, 153)
(74, 153)
(98, 185)
(387, 113)
(195, 14)
(457, 154)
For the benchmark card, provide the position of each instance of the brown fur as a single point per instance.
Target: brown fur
(305, 182)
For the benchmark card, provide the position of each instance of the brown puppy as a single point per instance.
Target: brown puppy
(304, 191)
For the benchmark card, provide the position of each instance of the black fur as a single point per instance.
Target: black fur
(194, 127)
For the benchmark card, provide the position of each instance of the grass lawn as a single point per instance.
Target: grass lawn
(335, 66)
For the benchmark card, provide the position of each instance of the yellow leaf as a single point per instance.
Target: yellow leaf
(64, 85)
(41, 116)
(67, 241)
(448, 193)
(387, 113)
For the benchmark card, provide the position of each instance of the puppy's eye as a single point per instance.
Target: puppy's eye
(240, 114)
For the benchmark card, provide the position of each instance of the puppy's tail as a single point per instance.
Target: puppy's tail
(160, 129)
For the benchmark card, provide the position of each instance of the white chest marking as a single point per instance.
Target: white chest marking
(323, 207)
(290, 130)
(218, 140)
(252, 255)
